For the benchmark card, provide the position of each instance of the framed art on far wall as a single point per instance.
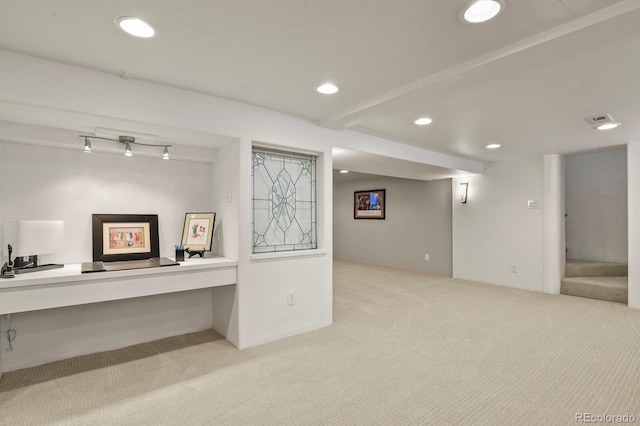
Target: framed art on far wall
(369, 204)
(197, 234)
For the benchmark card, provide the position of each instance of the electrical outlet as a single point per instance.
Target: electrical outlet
(426, 257)
(514, 268)
(291, 298)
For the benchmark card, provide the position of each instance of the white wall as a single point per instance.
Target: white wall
(226, 185)
(2, 325)
(54, 334)
(49, 183)
(633, 197)
(417, 222)
(495, 229)
(596, 204)
(553, 212)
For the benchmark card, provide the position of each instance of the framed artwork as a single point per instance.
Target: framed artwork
(369, 204)
(125, 237)
(197, 234)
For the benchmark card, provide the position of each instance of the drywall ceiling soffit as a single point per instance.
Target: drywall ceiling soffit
(378, 165)
(393, 60)
(55, 137)
(77, 123)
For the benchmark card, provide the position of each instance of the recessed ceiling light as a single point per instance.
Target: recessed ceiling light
(135, 26)
(493, 146)
(344, 171)
(607, 126)
(423, 121)
(327, 89)
(478, 11)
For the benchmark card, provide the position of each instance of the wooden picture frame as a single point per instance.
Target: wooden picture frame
(197, 233)
(125, 237)
(369, 204)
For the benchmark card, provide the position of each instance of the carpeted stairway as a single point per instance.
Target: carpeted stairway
(596, 280)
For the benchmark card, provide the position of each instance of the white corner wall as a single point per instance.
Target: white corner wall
(554, 239)
(2, 325)
(496, 230)
(418, 222)
(596, 204)
(633, 188)
(226, 194)
(226, 186)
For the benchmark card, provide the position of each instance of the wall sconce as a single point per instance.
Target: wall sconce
(87, 145)
(464, 188)
(127, 141)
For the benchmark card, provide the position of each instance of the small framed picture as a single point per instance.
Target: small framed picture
(197, 234)
(369, 204)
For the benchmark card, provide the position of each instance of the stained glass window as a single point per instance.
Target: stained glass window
(284, 201)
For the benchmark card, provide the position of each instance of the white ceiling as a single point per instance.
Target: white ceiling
(526, 80)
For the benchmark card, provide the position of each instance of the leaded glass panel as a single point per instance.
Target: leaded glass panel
(284, 201)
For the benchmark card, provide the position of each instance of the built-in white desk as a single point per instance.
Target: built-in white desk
(32, 293)
(67, 286)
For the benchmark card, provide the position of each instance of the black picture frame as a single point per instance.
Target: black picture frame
(135, 227)
(369, 204)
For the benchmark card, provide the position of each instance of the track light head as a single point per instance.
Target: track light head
(127, 150)
(87, 146)
(165, 153)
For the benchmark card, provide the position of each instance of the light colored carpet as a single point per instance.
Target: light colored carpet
(405, 348)
(596, 280)
(592, 268)
(614, 289)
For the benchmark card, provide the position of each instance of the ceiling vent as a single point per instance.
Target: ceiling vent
(600, 119)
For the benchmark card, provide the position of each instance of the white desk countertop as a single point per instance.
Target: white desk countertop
(55, 288)
(71, 273)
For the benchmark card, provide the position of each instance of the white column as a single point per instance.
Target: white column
(225, 185)
(633, 206)
(1, 262)
(554, 243)
(1, 344)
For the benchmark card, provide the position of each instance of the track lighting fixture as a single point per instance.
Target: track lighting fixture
(127, 141)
